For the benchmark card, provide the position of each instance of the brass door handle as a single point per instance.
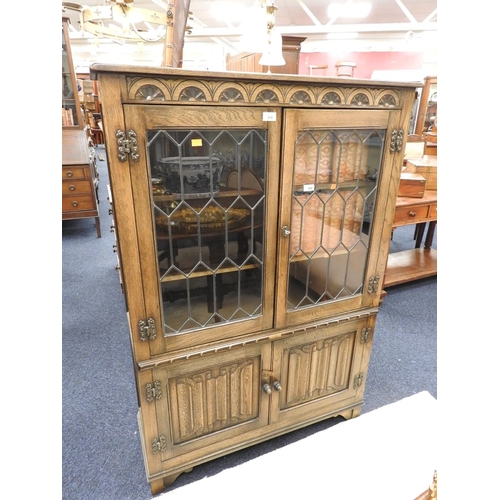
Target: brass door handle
(267, 388)
(277, 385)
(285, 231)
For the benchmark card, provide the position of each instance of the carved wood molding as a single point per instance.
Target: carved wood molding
(167, 359)
(196, 91)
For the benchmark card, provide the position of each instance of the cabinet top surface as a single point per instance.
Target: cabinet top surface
(98, 68)
(74, 147)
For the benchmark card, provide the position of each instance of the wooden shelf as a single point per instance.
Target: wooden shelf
(410, 265)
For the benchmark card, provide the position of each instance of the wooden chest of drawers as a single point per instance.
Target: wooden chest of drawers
(79, 178)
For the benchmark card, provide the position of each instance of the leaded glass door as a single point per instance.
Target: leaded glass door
(333, 169)
(208, 191)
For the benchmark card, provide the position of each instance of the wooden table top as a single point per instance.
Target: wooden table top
(430, 196)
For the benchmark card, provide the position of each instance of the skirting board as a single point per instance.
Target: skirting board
(387, 453)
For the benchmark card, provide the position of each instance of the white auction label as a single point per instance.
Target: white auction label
(269, 116)
(308, 187)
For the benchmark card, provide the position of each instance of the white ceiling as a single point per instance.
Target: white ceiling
(397, 25)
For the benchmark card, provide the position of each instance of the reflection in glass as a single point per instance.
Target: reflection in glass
(335, 182)
(209, 198)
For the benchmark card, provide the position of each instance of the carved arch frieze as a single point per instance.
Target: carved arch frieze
(267, 96)
(301, 96)
(330, 97)
(194, 91)
(230, 92)
(387, 99)
(148, 89)
(359, 98)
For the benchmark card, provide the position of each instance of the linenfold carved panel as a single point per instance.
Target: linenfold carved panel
(155, 89)
(317, 369)
(214, 399)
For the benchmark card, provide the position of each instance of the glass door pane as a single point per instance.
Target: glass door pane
(334, 188)
(209, 196)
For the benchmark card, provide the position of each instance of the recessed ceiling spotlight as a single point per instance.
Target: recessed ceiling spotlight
(353, 10)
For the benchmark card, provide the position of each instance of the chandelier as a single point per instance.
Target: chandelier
(260, 34)
(119, 19)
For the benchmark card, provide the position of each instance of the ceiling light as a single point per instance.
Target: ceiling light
(273, 54)
(352, 10)
(260, 34)
(119, 19)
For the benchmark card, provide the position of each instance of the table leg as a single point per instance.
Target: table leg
(430, 235)
(419, 234)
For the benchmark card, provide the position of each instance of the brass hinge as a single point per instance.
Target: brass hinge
(153, 391)
(147, 331)
(397, 140)
(358, 380)
(373, 284)
(127, 146)
(365, 335)
(159, 444)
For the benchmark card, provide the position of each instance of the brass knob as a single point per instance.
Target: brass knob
(412, 214)
(69, 173)
(277, 385)
(75, 203)
(72, 188)
(267, 388)
(285, 231)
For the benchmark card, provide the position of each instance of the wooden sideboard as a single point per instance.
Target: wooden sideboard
(79, 178)
(420, 262)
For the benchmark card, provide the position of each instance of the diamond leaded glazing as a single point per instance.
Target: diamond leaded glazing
(335, 182)
(209, 199)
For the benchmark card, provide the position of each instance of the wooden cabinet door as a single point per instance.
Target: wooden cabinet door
(206, 405)
(204, 188)
(321, 372)
(339, 177)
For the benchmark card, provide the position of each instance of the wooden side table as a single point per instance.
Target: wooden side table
(419, 262)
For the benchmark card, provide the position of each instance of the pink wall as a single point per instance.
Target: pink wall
(366, 62)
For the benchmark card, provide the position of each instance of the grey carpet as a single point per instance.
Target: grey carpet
(101, 452)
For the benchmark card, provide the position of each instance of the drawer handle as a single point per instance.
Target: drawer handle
(72, 188)
(75, 203)
(412, 214)
(69, 173)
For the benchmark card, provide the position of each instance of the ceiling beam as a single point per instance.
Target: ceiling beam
(406, 12)
(316, 30)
